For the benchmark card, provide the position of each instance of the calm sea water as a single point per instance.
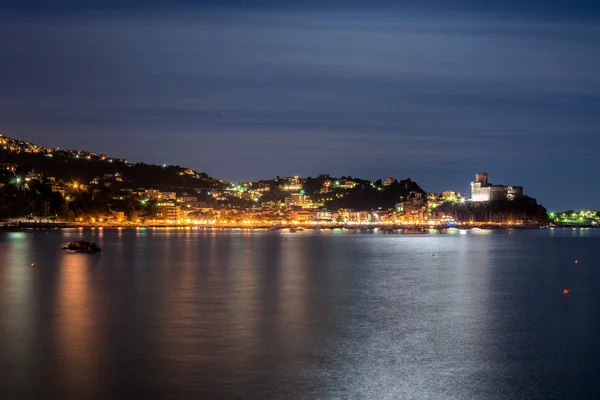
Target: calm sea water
(184, 314)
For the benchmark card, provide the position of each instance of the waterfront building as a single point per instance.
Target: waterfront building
(323, 215)
(414, 208)
(483, 191)
(355, 217)
(167, 210)
(298, 200)
(301, 215)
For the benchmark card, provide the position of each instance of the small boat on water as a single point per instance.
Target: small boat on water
(414, 231)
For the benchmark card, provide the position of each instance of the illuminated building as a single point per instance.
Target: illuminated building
(60, 189)
(187, 199)
(301, 215)
(298, 200)
(388, 181)
(322, 215)
(482, 191)
(263, 188)
(326, 187)
(167, 196)
(355, 217)
(414, 208)
(450, 196)
(345, 184)
(168, 210)
(292, 183)
(152, 193)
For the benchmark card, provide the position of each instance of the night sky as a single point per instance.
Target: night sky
(246, 90)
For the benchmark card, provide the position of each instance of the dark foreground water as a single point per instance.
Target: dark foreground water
(185, 314)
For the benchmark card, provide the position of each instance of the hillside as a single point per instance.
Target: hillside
(85, 166)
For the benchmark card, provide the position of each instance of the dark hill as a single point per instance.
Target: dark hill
(83, 167)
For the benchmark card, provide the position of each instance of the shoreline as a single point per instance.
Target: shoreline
(293, 227)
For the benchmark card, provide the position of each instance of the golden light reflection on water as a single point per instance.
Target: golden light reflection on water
(75, 330)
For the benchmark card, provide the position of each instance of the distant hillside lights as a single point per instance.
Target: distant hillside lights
(157, 194)
(345, 184)
(279, 201)
(8, 167)
(291, 184)
(482, 191)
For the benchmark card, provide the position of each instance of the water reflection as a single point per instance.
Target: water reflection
(231, 314)
(77, 327)
(292, 293)
(17, 317)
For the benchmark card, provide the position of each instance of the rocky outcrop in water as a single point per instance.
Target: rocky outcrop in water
(82, 246)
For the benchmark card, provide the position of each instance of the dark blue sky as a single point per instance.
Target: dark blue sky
(251, 89)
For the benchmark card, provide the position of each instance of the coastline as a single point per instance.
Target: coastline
(291, 226)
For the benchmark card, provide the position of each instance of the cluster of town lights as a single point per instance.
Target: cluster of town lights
(275, 223)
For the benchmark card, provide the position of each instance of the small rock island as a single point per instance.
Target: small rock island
(82, 246)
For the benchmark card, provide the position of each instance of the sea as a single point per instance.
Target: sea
(317, 314)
